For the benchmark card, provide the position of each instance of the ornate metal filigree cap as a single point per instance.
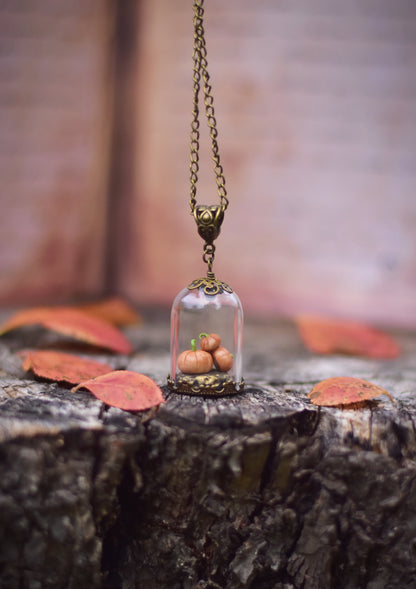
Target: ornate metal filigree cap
(210, 285)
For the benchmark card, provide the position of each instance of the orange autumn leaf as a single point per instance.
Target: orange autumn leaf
(114, 310)
(344, 390)
(124, 389)
(73, 323)
(60, 366)
(328, 336)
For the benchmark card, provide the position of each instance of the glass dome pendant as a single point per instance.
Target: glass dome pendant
(207, 316)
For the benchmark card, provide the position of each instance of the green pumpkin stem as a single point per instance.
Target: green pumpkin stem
(193, 345)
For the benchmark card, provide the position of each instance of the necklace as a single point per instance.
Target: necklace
(207, 316)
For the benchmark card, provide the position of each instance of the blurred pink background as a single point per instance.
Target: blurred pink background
(316, 108)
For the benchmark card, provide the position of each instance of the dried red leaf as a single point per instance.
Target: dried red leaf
(125, 389)
(344, 390)
(328, 336)
(71, 322)
(114, 310)
(60, 366)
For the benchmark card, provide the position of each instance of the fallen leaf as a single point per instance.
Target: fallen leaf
(114, 310)
(60, 366)
(71, 322)
(327, 336)
(124, 389)
(344, 390)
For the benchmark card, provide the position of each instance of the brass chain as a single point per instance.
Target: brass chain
(200, 67)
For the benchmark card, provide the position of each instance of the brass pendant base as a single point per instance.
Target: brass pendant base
(212, 384)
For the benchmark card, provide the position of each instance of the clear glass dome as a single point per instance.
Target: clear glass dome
(206, 340)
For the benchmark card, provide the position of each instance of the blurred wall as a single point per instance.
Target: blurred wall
(316, 109)
(55, 121)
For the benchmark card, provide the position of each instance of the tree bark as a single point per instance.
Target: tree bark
(261, 490)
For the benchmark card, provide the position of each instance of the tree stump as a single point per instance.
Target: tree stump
(262, 490)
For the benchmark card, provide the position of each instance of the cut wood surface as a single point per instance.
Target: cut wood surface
(262, 490)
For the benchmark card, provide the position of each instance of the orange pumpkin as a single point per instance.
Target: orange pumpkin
(223, 359)
(194, 361)
(209, 341)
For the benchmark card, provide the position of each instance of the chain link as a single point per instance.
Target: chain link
(200, 74)
(209, 255)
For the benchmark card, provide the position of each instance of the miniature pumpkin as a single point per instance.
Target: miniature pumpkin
(195, 361)
(209, 342)
(223, 359)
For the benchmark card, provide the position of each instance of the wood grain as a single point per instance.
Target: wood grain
(254, 491)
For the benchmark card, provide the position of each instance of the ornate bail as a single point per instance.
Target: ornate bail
(209, 220)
